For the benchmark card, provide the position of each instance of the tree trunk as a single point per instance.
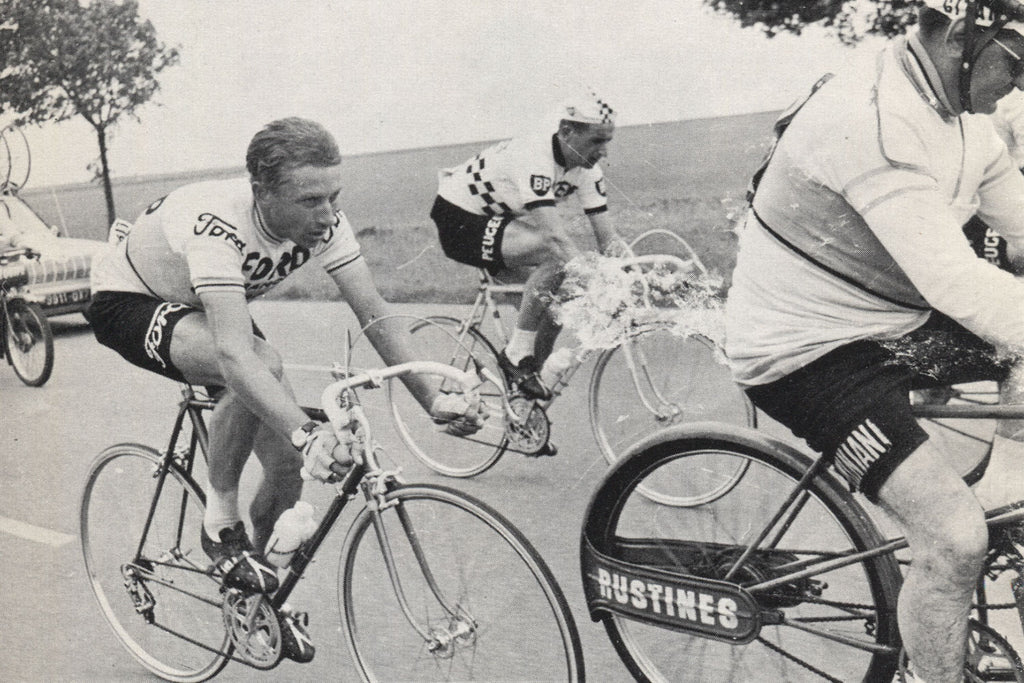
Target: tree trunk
(108, 190)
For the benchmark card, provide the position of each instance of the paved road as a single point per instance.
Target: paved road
(51, 628)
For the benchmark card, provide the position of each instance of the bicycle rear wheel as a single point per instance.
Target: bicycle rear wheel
(835, 623)
(441, 339)
(494, 612)
(152, 585)
(657, 379)
(29, 342)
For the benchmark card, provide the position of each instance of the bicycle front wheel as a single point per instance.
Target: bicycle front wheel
(29, 342)
(442, 339)
(815, 617)
(469, 599)
(150, 579)
(657, 379)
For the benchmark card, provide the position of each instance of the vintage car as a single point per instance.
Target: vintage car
(59, 279)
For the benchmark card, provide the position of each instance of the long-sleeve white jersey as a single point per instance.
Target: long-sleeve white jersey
(855, 230)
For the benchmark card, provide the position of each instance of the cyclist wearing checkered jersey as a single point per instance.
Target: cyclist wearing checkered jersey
(516, 176)
(210, 236)
(498, 211)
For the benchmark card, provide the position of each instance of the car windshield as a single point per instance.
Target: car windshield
(20, 226)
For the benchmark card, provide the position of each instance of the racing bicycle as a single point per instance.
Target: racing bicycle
(432, 584)
(26, 339)
(785, 577)
(653, 378)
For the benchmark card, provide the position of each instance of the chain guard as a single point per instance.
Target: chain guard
(527, 428)
(253, 628)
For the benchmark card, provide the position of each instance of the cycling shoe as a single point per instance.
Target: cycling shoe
(296, 644)
(238, 562)
(525, 375)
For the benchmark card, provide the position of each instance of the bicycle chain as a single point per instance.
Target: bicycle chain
(776, 648)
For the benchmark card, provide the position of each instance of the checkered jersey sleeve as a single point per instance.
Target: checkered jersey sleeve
(340, 247)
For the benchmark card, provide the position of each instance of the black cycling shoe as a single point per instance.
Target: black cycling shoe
(296, 644)
(525, 376)
(238, 562)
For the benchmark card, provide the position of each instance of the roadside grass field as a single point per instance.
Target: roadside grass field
(688, 177)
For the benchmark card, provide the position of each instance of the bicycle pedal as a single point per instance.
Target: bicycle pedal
(547, 450)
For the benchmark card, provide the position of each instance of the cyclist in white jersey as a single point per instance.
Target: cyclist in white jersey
(852, 247)
(171, 296)
(498, 211)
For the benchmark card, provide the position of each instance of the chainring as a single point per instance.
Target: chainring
(253, 627)
(527, 427)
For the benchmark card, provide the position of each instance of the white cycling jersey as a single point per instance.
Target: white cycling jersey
(856, 226)
(209, 236)
(518, 175)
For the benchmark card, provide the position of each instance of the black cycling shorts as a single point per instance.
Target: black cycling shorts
(853, 404)
(139, 327)
(468, 237)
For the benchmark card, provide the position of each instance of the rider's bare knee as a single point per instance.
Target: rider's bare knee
(955, 547)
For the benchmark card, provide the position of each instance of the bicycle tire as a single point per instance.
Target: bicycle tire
(117, 497)
(523, 628)
(857, 601)
(29, 342)
(657, 379)
(440, 338)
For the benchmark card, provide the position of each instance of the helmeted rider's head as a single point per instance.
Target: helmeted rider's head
(586, 125)
(981, 42)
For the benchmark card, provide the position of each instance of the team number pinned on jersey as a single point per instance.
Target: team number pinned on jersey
(540, 184)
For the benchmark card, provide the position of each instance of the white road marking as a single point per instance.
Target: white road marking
(31, 532)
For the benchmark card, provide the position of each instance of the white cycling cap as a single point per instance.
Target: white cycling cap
(587, 107)
(988, 12)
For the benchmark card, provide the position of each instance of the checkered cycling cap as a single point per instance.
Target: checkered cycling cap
(989, 11)
(587, 107)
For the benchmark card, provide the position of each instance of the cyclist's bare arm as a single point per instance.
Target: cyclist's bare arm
(237, 366)
(608, 240)
(389, 336)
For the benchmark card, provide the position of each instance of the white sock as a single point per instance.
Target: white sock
(520, 345)
(1004, 478)
(221, 512)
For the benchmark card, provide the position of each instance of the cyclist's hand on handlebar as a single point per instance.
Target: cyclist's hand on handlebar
(461, 414)
(326, 459)
(618, 248)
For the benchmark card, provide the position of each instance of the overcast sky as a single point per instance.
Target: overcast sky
(396, 74)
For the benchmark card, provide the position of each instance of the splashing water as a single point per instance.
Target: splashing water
(604, 304)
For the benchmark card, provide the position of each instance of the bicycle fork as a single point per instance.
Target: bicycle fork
(461, 626)
(665, 410)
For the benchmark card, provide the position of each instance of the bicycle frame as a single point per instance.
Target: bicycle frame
(643, 383)
(366, 474)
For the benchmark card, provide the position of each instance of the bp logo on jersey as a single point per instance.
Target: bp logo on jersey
(540, 184)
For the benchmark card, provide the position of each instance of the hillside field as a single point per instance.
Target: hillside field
(687, 176)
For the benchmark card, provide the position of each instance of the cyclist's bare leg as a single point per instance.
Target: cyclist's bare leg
(232, 426)
(945, 529)
(547, 334)
(280, 485)
(523, 248)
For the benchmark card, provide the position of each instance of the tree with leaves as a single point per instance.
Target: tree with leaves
(92, 58)
(848, 20)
